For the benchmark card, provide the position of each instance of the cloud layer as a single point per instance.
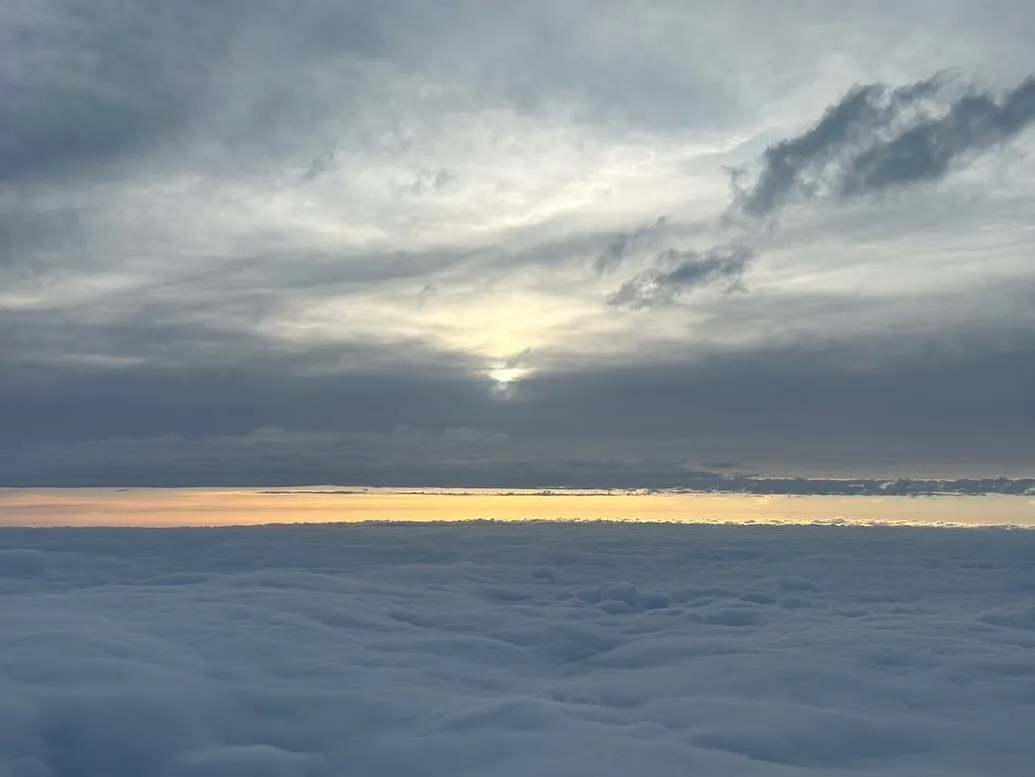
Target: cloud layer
(516, 649)
(330, 218)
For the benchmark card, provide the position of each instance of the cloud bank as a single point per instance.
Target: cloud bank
(515, 649)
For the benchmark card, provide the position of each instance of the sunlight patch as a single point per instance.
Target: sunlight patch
(505, 376)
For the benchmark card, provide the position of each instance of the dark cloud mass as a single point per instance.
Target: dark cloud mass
(927, 151)
(87, 84)
(878, 137)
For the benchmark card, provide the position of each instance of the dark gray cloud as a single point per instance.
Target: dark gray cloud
(867, 406)
(927, 151)
(88, 83)
(878, 137)
(679, 272)
(838, 395)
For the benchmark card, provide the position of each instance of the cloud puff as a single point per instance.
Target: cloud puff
(489, 649)
(680, 272)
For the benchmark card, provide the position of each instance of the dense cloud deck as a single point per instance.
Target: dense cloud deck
(520, 649)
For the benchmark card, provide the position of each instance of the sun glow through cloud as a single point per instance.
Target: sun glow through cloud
(505, 376)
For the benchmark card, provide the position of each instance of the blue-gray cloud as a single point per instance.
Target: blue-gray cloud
(680, 272)
(623, 424)
(880, 137)
(492, 650)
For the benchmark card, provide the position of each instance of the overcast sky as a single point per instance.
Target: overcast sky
(336, 241)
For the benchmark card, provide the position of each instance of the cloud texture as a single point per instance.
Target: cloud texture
(878, 137)
(702, 229)
(511, 649)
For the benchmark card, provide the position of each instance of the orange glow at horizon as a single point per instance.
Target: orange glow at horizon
(224, 507)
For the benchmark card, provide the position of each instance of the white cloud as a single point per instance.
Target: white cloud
(515, 649)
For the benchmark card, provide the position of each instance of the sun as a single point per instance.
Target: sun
(506, 379)
(506, 372)
(505, 376)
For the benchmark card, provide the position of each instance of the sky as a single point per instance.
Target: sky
(487, 243)
(207, 507)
